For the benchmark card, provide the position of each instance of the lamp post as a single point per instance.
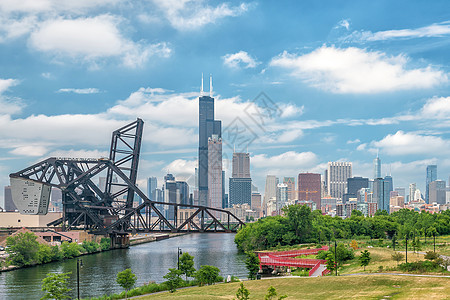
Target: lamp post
(79, 265)
(434, 242)
(335, 256)
(178, 253)
(407, 249)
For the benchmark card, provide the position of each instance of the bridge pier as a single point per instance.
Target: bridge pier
(120, 241)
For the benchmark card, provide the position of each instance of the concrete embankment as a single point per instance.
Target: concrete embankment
(147, 238)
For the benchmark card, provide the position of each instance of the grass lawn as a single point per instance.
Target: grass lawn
(329, 287)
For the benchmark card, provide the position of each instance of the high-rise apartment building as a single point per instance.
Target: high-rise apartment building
(382, 188)
(207, 127)
(309, 188)
(270, 190)
(437, 192)
(338, 173)
(215, 192)
(282, 196)
(240, 183)
(290, 182)
(431, 176)
(412, 191)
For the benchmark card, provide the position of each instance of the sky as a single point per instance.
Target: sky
(297, 83)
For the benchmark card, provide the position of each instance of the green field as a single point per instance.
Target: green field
(342, 287)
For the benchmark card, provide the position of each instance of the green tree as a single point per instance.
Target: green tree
(331, 263)
(105, 244)
(126, 279)
(430, 255)
(173, 279)
(55, 286)
(70, 250)
(299, 220)
(397, 256)
(364, 259)
(44, 254)
(187, 265)
(272, 293)
(252, 264)
(242, 293)
(22, 248)
(207, 275)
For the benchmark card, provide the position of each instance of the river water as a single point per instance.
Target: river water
(150, 262)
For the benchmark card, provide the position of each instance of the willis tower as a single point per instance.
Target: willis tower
(207, 127)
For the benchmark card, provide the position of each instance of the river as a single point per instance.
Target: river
(150, 262)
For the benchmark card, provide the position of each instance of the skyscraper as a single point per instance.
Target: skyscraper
(290, 182)
(241, 165)
(9, 203)
(437, 192)
(270, 190)
(282, 196)
(309, 185)
(431, 176)
(338, 173)
(377, 167)
(215, 172)
(224, 196)
(412, 191)
(354, 184)
(207, 126)
(152, 185)
(381, 192)
(240, 182)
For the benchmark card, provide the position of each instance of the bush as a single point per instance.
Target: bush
(22, 248)
(431, 255)
(70, 250)
(207, 275)
(91, 246)
(421, 267)
(105, 244)
(44, 254)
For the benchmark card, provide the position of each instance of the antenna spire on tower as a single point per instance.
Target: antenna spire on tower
(201, 90)
(210, 85)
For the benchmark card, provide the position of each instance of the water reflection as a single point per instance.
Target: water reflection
(150, 262)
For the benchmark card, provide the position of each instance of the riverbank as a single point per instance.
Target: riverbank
(331, 287)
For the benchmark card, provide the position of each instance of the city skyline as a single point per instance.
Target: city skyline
(110, 67)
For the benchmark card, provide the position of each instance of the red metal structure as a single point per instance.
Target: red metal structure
(287, 259)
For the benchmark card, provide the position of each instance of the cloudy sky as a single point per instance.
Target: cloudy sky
(305, 82)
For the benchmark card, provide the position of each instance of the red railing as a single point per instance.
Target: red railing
(325, 272)
(286, 259)
(314, 269)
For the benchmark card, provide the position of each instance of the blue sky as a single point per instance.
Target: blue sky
(343, 80)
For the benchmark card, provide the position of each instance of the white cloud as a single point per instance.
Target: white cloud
(290, 159)
(80, 91)
(437, 108)
(404, 143)
(344, 23)
(357, 141)
(193, 14)
(355, 70)
(29, 151)
(91, 40)
(238, 59)
(79, 153)
(182, 169)
(9, 105)
(433, 30)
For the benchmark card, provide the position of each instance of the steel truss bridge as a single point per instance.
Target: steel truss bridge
(109, 209)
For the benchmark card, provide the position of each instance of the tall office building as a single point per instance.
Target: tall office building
(382, 188)
(412, 191)
(270, 190)
(354, 184)
(241, 165)
(256, 204)
(152, 185)
(240, 183)
(282, 196)
(401, 191)
(338, 173)
(170, 195)
(215, 192)
(431, 176)
(224, 196)
(377, 167)
(290, 182)
(437, 192)
(309, 188)
(207, 127)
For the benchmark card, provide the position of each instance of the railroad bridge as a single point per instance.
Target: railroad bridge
(109, 211)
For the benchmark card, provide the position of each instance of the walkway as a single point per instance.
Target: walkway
(287, 259)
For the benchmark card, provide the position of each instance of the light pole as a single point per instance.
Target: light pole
(434, 242)
(335, 256)
(178, 253)
(407, 249)
(79, 265)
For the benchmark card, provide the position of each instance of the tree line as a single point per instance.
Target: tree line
(301, 225)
